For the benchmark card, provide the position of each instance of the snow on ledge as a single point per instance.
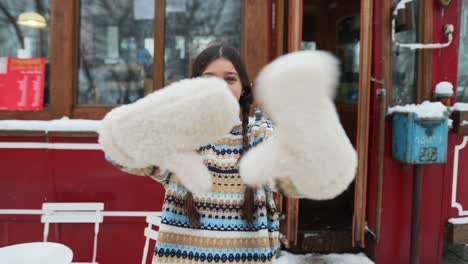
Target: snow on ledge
(58, 125)
(460, 107)
(444, 89)
(458, 221)
(425, 110)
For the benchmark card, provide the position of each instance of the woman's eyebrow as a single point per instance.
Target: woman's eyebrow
(208, 73)
(230, 73)
(225, 73)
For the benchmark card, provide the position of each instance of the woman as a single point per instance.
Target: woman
(232, 222)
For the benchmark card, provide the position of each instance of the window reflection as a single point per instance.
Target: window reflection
(191, 25)
(404, 77)
(25, 32)
(116, 51)
(462, 83)
(347, 49)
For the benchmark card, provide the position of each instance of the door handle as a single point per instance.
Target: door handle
(448, 32)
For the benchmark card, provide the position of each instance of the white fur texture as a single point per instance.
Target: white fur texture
(167, 127)
(309, 144)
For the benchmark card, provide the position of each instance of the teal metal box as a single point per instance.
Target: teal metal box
(419, 141)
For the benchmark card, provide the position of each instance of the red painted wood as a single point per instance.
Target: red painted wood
(32, 176)
(445, 68)
(462, 179)
(374, 114)
(397, 190)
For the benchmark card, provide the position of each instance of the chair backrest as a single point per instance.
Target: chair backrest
(152, 220)
(73, 213)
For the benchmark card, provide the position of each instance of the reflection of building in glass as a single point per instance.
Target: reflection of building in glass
(115, 61)
(191, 26)
(404, 75)
(26, 40)
(347, 50)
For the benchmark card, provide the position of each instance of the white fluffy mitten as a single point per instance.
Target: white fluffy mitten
(309, 144)
(167, 127)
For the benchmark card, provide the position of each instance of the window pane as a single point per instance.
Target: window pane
(462, 83)
(347, 49)
(191, 25)
(24, 33)
(404, 77)
(116, 51)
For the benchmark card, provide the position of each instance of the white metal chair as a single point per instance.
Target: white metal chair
(73, 213)
(152, 220)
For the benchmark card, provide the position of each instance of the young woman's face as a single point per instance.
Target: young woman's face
(224, 69)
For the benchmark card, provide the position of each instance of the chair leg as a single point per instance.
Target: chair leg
(96, 232)
(46, 232)
(145, 251)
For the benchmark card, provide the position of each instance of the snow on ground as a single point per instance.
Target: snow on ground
(288, 258)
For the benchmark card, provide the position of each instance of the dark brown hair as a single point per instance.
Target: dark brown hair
(201, 62)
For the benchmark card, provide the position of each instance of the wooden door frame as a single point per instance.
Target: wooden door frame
(294, 31)
(362, 141)
(295, 16)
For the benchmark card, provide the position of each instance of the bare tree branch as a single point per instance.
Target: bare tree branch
(12, 20)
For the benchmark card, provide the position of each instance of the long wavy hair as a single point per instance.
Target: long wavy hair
(201, 62)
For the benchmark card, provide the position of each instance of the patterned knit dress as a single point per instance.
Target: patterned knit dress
(224, 236)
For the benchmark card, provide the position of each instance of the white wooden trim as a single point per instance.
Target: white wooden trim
(103, 213)
(456, 158)
(131, 213)
(21, 212)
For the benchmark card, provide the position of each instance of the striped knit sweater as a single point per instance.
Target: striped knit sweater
(224, 236)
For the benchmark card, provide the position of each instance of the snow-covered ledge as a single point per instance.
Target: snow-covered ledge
(458, 221)
(58, 125)
(460, 116)
(425, 110)
(457, 231)
(460, 107)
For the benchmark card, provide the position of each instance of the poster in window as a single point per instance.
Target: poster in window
(22, 83)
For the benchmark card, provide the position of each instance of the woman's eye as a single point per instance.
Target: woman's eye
(230, 79)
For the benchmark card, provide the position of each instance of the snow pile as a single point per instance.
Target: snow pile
(64, 124)
(460, 107)
(458, 221)
(401, 5)
(444, 89)
(425, 110)
(288, 258)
